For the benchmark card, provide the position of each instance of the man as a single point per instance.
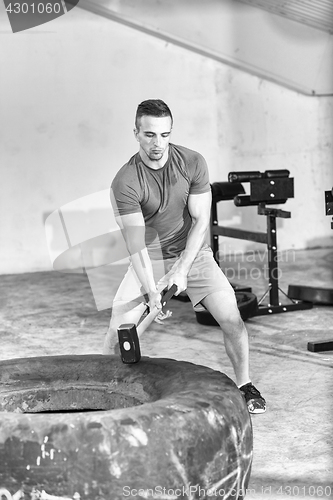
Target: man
(162, 201)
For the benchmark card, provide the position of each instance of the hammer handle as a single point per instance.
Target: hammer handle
(155, 311)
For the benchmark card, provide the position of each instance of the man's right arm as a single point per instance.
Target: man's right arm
(133, 230)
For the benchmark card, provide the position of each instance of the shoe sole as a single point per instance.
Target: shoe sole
(257, 411)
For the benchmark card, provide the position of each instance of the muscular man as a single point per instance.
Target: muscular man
(162, 200)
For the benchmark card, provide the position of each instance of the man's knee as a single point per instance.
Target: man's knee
(223, 306)
(231, 321)
(229, 318)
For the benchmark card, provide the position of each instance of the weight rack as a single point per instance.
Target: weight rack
(269, 187)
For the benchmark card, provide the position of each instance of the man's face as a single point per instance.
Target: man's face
(153, 136)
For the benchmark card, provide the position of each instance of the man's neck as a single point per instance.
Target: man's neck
(154, 164)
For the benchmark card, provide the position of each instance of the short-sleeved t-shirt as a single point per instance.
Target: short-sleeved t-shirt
(161, 195)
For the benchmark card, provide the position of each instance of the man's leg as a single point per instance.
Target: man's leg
(128, 304)
(128, 307)
(222, 305)
(207, 285)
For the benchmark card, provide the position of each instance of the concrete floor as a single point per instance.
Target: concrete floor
(53, 313)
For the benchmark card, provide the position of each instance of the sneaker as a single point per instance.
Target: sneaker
(254, 400)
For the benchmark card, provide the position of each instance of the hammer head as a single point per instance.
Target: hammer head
(129, 343)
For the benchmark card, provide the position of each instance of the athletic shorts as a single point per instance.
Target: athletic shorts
(205, 277)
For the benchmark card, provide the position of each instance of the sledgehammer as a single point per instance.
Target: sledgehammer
(128, 333)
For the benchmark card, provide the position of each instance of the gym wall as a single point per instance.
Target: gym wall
(68, 92)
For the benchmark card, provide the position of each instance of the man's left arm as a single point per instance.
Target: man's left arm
(199, 206)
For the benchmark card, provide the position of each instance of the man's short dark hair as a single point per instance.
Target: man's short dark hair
(152, 107)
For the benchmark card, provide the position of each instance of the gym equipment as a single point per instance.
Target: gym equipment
(266, 188)
(90, 427)
(128, 333)
(320, 295)
(329, 204)
(320, 345)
